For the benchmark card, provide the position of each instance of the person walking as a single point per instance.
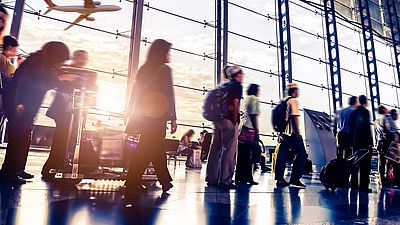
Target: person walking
(291, 139)
(222, 157)
(61, 111)
(152, 104)
(22, 100)
(386, 133)
(361, 138)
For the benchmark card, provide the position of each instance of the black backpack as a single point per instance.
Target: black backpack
(279, 120)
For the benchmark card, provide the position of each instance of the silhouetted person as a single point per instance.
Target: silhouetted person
(343, 135)
(222, 157)
(395, 116)
(291, 139)
(361, 138)
(61, 112)
(152, 104)
(22, 100)
(385, 132)
(244, 167)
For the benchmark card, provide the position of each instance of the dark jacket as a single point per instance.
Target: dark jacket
(360, 128)
(29, 85)
(235, 91)
(152, 100)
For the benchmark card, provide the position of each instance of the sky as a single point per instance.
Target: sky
(108, 53)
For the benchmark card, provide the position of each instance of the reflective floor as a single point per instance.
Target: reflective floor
(190, 202)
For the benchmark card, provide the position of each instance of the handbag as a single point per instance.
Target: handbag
(131, 143)
(247, 135)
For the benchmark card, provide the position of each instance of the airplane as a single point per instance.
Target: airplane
(85, 10)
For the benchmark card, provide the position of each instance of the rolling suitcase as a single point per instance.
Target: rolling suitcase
(337, 172)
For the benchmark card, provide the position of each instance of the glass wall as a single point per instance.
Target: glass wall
(190, 27)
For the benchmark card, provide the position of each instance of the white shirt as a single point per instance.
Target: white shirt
(292, 110)
(252, 107)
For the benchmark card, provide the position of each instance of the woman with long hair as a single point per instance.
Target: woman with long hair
(22, 100)
(244, 171)
(152, 104)
(186, 146)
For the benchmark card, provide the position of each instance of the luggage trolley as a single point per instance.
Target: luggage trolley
(99, 154)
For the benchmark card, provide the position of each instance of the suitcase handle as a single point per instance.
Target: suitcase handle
(357, 156)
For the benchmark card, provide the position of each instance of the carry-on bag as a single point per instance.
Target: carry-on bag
(337, 172)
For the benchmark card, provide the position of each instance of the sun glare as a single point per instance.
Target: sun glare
(111, 98)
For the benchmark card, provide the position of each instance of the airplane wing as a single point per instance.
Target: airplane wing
(79, 19)
(89, 4)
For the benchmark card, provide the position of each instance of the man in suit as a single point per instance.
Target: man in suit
(361, 138)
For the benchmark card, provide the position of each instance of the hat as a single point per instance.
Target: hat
(292, 85)
(231, 71)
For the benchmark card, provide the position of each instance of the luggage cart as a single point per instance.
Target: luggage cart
(109, 151)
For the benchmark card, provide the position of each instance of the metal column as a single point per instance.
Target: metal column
(333, 52)
(218, 38)
(369, 49)
(284, 43)
(225, 35)
(134, 49)
(17, 18)
(394, 28)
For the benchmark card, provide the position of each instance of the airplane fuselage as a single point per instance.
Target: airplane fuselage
(83, 10)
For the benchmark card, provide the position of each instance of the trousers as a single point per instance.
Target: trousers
(295, 144)
(150, 149)
(222, 157)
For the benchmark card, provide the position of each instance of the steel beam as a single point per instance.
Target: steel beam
(225, 35)
(333, 52)
(218, 39)
(134, 48)
(17, 18)
(284, 43)
(370, 57)
(395, 31)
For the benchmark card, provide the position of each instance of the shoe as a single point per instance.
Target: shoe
(14, 179)
(138, 188)
(253, 182)
(227, 186)
(282, 183)
(297, 183)
(25, 175)
(209, 184)
(167, 187)
(266, 169)
(255, 168)
(367, 190)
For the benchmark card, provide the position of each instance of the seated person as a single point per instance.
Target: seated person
(202, 136)
(186, 146)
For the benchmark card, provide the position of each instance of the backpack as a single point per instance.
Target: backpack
(279, 120)
(216, 103)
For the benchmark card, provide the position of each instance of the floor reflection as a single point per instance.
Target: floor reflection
(190, 202)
